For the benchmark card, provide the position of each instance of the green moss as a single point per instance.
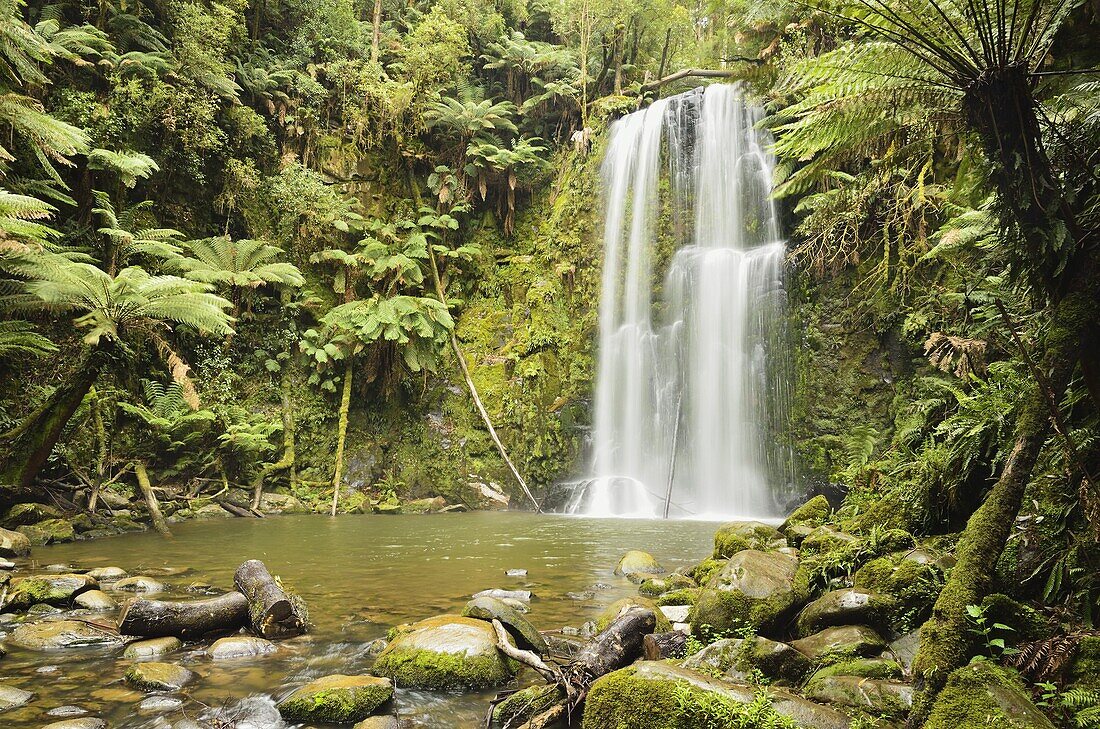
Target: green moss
(913, 585)
(739, 535)
(1085, 668)
(654, 586)
(813, 513)
(705, 570)
(983, 695)
(336, 699)
(1027, 623)
(687, 596)
(612, 611)
(717, 612)
(861, 667)
(443, 671)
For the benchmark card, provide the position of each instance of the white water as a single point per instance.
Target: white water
(691, 386)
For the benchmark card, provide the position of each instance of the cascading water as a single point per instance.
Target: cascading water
(691, 387)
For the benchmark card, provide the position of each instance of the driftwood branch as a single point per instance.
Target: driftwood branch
(527, 658)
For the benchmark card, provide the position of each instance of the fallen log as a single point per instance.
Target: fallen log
(238, 510)
(188, 620)
(659, 646)
(272, 611)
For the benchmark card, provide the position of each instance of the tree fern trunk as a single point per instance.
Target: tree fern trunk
(287, 461)
(146, 490)
(341, 435)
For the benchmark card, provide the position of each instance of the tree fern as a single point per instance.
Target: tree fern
(238, 264)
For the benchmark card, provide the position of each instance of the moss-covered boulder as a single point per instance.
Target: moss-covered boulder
(910, 578)
(616, 609)
(636, 562)
(983, 695)
(142, 584)
(1084, 670)
(30, 513)
(877, 697)
(738, 659)
(152, 648)
(754, 588)
(14, 544)
(522, 631)
(1027, 623)
(826, 539)
(705, 571)
(850, 606)
(425, 506)
(812, 514)
(841, 642)
(881, 668)
(50, 531)
(58, 590)
(686, 596)
(657, 695)
(153, 676)
(336, 699)
(448, 652)
(57, 634)
(655, 586)
(737, 536)
(525, 704)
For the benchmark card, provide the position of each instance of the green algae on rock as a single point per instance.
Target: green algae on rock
(448, 652)
(982, 695)
(336, 699)
(737, 536)
(637, 562)
(154, 676)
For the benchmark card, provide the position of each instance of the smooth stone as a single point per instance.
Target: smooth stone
(876, 696)
(84, 723)
(95, 600)
(525, 634)
(580, 596)
(6, 564)
(57, 590)
(152, 648)
(905, 649)
(676, 613)
(336, 699)
(140, 583)
(617, 608)
(240, 646)
(14, 544)
(848, 639)
(445, 653)
(637, 562)
(67, 711)
(515, 573)
(12, 697)
(153, 676)
(160, 703)
(55, 634)
(521, 595)
(518, 605)
(379, 722)
(850, 606)
(108, 574)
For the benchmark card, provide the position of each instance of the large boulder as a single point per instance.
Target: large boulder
(878, 697)
(657, 695)
(911, 578)
(754, 588)
(30, 513)
(153, 676)
(448, 653)
(850, 606)
(336, 699)
(636, 562)
(842, 642)
(50, 531)
(282, 504)
(982, 695)
(12, 697)
(14, 544)
(57, 590)
(526, 635)
(736, 659)
(57, 634)
(812, 514)
(737, 536)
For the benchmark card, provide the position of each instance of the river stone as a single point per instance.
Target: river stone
(95, 600)
(891, 699)
(753, 588)
(847, 640)
(108, 574)
(240, 646)
(67, 711)
(160, 703)
(448, 652)
(525, 634)
(153, 676)
(812, 514)
(152, 648)
(850, 606)
(336, 699)
(58, 590)
(30, 513)
(14, 544)
(658, 695)
(737, 536)
(55, 634)
(50, 531)
(736, 659)
(13, 698)
(211, 511)
(521, 595)
(654, 586)
(388, 721)
(140, 583)
(636, 562)
(84, 723)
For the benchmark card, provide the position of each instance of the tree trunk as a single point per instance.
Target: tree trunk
(272, 611)
(101, 448)
(341, 434)
(150, 498)
(32, 441)
(187, 620)
(376, 37)
(287, 461)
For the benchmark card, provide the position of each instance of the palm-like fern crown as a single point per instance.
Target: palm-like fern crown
(468, 117)
(18, 339)
(131, 233)
(239, 264)
(20, 222)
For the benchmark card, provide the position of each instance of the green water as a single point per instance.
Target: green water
(359, 575)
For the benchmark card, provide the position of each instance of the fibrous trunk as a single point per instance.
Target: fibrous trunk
(342, 431)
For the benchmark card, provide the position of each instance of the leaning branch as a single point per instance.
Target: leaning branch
(689, 73)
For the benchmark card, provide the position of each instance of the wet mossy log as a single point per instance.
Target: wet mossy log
(188, 620)
(273, 612)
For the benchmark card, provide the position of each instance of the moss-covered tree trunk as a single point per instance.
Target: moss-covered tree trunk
(30, 443)
(341, 434)
(288, 458)
(146, 490)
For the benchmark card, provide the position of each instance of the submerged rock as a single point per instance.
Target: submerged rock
(521, 595)
(737, 536)
(141, 584)
(154, 676)
(12, 697)
(240, 646)
(636, 562)
(844, 641)
(152, 648)
(658, 695)
(336, 699)
(56, 634)
(448, 652)
(84, 723)
(525, 634)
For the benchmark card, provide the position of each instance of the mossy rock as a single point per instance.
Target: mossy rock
(912, 581)
(336, 699)
(58, 590)
(877, 697)
(686, 596)
(57, 634)
(813, 513)
(425, 506)
(50, 531)
(525, 704)
(737, 536)
(654, 586)
(637, 562)
(658, 695)
(1084, 670)
(1027, 623)
(152, 648)
(14, 544)
(153, 676)
(613, 611)
(705, 571)
(983, 695)
(880, 668)
(825, 539)
(446, 653)
(850, 606)
(835, 644)
(30, 513)
(737, 659)
(754, 589)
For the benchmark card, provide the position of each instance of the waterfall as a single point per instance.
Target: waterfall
(691, 385)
